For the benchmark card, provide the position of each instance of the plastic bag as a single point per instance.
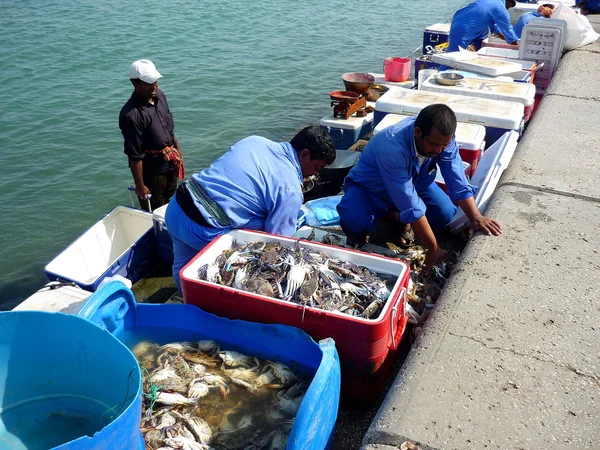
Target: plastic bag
(579, 30)
(322, 211)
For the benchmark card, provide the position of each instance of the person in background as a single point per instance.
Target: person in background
(395, 176)
(256, 185)
(544, 10)
(472, 24)
(588, 6)
(147, 125)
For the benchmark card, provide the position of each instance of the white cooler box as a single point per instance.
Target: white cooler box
(473, 62)
(523, 93)
(121, 243)
(164, 243)
(497, 116)
(345, 132)
(470, 139)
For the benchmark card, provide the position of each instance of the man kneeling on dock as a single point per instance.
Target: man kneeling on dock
(256, 185)
(395, 177)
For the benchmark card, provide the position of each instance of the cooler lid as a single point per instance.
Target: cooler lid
(492, 164)
(439, 28)
(494, 89)
(498, 52)
(440, 179)
(482, 111)
(353, 123)
(470, 136)
(388, 121)
(158, 214)
(471, 61)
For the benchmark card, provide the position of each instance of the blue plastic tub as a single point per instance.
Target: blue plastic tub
(113, 307)
(66, 384)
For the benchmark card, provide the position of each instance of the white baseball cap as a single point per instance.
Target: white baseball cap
(144, 70)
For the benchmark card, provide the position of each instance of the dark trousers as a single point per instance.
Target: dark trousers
(162, 187)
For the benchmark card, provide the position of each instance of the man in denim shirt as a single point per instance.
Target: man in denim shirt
(395, 174)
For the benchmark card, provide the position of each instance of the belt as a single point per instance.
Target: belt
(190, 190)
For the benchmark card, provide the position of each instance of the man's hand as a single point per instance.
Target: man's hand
(141, 191)
(433, 257)
(488, 226)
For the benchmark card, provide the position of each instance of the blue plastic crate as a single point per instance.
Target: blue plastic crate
(113, 307)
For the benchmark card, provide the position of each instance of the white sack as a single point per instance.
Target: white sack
(579, 30)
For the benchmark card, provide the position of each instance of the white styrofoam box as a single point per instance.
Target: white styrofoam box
(509, 91)
(388, 121)
(93, 255)
(482, 111)
(517, 11)
(473, 62)
(345, 132)
(495, 42)
(380, 79)
(164, 243)
(56, 297)
(487, 175)
(544, 44)
(498, 52)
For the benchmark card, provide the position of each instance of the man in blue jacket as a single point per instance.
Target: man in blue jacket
(256, 185)
(471, 24)
(396, 172)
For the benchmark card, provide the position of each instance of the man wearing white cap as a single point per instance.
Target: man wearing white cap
(147, 125)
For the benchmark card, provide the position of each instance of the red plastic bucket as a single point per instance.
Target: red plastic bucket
(396, 69)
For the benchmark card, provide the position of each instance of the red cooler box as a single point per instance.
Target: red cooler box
(366, 347)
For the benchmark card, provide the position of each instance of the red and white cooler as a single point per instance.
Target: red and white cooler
(523, 93)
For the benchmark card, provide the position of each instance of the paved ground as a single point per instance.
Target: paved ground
(510, 358)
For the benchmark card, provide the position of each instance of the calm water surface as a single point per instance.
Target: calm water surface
(230, 69)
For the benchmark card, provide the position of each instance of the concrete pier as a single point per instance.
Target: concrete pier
(510, 357)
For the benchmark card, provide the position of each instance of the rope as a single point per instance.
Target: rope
(154, 391)
(123, 403)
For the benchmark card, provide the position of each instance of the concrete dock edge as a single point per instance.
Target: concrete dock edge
(510, 357)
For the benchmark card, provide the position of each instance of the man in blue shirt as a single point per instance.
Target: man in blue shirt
(544, 11)
(256, 185)
(396, 172)
(471, 24)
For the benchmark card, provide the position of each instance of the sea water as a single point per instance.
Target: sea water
(231, 69)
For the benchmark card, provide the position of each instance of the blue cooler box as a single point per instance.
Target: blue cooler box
(435, 35)
(345, 132)
(164, 243)
(497, 116)
(113, 308)
(121, 243)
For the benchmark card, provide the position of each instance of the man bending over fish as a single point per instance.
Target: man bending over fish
(395, 176)
(256, 185)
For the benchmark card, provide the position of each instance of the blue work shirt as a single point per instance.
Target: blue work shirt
(472, 23)
(389, 169)
(524, 20)
(257, 183)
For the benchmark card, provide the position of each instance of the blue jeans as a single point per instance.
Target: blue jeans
(188, 237)
(358, 213)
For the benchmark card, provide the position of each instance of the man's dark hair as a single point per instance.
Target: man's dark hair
(436, 116)
(510, 4)
(318, 142)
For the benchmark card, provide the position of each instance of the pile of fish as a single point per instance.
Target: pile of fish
(199, 397)
(302, 276)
